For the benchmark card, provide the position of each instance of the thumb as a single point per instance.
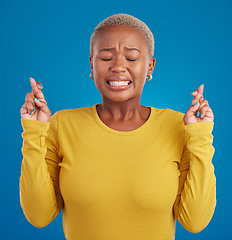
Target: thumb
(42, 105)
(193, 109)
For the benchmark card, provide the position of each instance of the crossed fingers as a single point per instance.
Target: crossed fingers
(201, 103)
(36, 90)
(33, 96)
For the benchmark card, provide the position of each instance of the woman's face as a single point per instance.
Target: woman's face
(121, 63)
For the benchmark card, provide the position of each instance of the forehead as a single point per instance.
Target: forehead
(115, 36)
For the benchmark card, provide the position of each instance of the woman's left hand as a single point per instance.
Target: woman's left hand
(199, 110)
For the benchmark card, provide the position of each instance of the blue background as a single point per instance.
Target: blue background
(49, 40)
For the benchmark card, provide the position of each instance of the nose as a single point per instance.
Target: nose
(118, 65)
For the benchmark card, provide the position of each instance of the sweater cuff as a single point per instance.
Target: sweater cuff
(199, 134)
(200, 128)
(34, 127)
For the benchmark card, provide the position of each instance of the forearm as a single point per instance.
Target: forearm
(197, 199)
(37, 193)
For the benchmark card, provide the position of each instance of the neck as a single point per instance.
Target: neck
(119, 110)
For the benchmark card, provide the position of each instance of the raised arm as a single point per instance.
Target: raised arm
(40, 196)
(196, 199)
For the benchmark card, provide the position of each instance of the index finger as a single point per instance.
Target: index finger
(199, 90)
(198, 94)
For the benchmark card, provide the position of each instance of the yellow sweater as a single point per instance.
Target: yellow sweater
(115, 185)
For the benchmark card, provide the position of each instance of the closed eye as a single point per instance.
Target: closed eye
(106, 59)
(132, 60)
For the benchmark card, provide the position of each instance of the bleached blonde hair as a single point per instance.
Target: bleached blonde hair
(128, 20)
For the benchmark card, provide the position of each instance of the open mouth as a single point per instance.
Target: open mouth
(119, 83)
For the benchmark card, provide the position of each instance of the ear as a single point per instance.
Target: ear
(91, 62)
(151, 65)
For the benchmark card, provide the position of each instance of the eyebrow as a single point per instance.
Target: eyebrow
(110, 49)
(133, 48)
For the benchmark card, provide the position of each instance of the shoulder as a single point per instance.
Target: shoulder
(71, 117)
(69, 113)
(170, 124)
(169, 121)
(169, 116)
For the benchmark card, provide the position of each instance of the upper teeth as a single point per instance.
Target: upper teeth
(119, 83)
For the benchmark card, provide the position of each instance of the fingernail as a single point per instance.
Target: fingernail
(37, 99)
(34, 109)
(193, 92)
(30, 113)
(41, 85)
(195, 103)
(201, 116)
(197, 114)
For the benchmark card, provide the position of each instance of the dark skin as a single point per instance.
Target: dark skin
(121, 51)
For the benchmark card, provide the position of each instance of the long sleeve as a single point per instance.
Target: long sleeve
(40, 196)
(116, 184)
(196, 199)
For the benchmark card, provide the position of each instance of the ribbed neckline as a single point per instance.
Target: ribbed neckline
(128, 133)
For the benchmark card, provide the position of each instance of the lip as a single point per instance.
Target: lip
(118, 78)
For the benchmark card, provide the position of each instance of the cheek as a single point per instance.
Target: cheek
(99, 69)
(99, 73)
(140, 71)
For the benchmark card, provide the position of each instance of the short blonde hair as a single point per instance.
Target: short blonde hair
(128, 20)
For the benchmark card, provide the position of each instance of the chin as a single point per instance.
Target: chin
(118, 99)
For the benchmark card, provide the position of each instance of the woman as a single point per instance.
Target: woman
(119, 170)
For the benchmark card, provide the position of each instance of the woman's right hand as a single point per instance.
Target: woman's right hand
(33, 109)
